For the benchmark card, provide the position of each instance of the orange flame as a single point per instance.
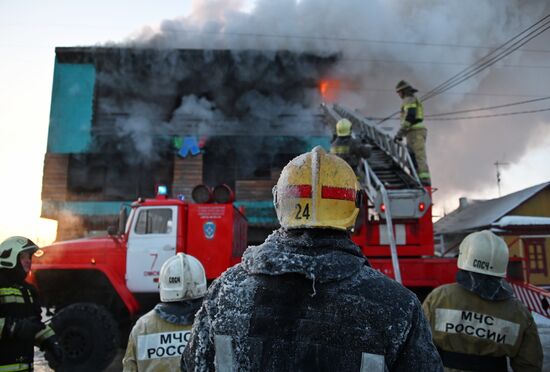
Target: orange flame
(329, 89)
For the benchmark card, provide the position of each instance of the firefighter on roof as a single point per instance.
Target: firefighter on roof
(159, 337)
(20, 325)
(413, 129)
(306, 299)
(348, 148)
(477, 322)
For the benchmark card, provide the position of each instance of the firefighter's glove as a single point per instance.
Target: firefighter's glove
(53, 352)
(25, 329)
(398, 139)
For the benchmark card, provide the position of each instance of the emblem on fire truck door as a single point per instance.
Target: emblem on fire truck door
(209, 229)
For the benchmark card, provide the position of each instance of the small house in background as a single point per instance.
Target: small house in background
(521, 218)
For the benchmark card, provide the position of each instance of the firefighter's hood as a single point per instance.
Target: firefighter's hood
(320, 255)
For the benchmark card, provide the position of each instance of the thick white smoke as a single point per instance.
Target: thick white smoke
(382, 41)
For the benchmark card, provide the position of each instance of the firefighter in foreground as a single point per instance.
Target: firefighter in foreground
(307, 299)
(413, 129)
(21, 327)
(159, 337)
(477, 322)
(348, 148)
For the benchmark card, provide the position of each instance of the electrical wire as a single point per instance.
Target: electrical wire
(335, 38)
(491, 58)
(492, 115)
(485, 61)
(487, 108)
(513, 113)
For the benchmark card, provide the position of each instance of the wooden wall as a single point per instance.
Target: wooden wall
(187, 174)
(54, 179)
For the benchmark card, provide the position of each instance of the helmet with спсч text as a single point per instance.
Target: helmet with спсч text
(182, 277)
(483, 252)
(317, 190)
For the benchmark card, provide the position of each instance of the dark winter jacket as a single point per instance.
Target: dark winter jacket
(18, 301)
(351, 150)
(306, 300)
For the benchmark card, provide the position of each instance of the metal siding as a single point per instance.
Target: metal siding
(72, 108)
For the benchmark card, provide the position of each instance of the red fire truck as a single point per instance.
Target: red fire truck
(98, 286)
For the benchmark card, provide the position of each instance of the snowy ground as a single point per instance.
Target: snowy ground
(543, 325)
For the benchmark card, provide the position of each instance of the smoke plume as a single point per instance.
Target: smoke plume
(379, 43)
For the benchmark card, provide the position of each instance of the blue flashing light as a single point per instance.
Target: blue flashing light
(162, 190)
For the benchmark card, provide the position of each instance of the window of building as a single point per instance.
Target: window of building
(535, 252)
(154, 221)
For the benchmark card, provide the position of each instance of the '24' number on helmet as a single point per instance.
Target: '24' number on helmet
(302, 212)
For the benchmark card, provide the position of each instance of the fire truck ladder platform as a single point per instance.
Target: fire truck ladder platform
(389, 169)
(388, 176)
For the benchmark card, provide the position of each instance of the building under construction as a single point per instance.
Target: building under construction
(125, 120)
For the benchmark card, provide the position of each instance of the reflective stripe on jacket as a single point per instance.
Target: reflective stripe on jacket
(412, 115)
(350, 149)
(463, 322)
(17, 301)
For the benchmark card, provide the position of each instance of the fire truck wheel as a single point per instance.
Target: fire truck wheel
(89, 336)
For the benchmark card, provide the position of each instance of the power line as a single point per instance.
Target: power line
(435, 63)
(337, 38)
(485, 61)
(491, 58)
(487, 108)
(286, 36)
(493, 115)
(475, 117)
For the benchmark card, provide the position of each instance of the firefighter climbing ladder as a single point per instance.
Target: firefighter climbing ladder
(388, 177)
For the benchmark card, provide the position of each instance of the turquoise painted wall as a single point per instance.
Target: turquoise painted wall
(72, 108)
(83, 208)
(259, 212)
(311, 142)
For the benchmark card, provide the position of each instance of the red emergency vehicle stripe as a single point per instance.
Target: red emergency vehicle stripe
(298, 191)
(530, 298)
(340, 193)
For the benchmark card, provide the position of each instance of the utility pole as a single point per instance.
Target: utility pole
(497, 165)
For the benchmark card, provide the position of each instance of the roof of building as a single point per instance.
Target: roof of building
(478, 214)
(520, 221)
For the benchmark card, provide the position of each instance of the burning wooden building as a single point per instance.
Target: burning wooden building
(124, 120)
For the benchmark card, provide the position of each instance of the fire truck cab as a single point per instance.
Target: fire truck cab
(99, 286)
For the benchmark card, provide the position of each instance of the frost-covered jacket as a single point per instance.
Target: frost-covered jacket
(159, 338)
(477, 323)
(306, 300)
